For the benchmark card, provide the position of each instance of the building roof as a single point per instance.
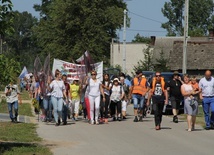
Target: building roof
(173, 51)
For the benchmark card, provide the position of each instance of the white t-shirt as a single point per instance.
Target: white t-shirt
(108, 84)
(94, 87)
(116, 93)
(57, 88)
(13, 95)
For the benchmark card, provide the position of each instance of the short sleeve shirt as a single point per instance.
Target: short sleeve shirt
(57, 88)
(175, 88)
(207, 86)
(13, 95)
(94, 87)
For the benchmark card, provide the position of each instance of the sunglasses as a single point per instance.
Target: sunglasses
(158, 75)
(93, 74)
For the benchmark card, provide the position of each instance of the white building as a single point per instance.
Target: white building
(134, 53)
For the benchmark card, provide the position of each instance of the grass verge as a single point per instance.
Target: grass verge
(20, 139)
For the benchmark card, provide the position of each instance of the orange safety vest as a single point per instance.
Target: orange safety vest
(154, 83)
(139, 88)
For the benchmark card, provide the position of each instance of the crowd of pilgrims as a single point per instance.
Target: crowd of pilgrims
(97, 101)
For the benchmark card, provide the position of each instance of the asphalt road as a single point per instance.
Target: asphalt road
(127, 138)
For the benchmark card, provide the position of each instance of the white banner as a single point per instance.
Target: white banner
(72, 70)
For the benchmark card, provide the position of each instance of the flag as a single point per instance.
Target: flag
(81, 59)
(23, 73)
(37, 67)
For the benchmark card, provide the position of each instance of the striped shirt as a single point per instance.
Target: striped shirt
(57, 88)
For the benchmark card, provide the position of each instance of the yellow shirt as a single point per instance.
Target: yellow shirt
(74, 91)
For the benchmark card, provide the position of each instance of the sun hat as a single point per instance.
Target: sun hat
(76, 78)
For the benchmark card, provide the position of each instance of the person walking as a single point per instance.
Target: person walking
(206, 88)
(174, 88)
(104, 106)
(158, 94)
(117, 94)
(125, 99)
(68, 97)
(75, 96)
(13, 98)
(138, 90)
(190, 102)
(95, 89)
(57, 89)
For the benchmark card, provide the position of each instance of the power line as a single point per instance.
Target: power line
(145, 17)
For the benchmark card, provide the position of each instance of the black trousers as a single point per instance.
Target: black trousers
(158, 104)
(104, 106)
(115, 105)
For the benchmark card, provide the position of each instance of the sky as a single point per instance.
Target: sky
(146, 16)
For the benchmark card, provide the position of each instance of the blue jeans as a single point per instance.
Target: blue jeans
(208, 103)
(11, 106)
(47, 105)
(138, 99)
(57, 107)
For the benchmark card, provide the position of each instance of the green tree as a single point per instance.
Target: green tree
(141, 39)
(22, 42)
(6, 17)
(200, 17)
(146, 64)
(9, 69)
(71, 27)
(161, 63)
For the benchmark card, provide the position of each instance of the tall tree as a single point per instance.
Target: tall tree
(6, 17)
(200, 17)
(22, 42)
(71, 27)
(141, 39)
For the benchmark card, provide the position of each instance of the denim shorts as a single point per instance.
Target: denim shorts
(138, 100)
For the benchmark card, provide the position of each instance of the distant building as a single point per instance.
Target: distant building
(200, 53)
(134, 53)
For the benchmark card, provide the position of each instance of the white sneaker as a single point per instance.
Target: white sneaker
(92, 122)
(97, 122)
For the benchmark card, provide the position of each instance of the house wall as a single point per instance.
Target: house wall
(134, 53)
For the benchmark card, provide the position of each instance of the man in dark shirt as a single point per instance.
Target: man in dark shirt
(174, 88)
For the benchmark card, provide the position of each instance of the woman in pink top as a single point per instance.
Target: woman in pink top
(190, 102)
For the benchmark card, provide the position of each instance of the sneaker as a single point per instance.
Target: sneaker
(207, 128)
(175, 119)
(135, 119)
(97, 123)
(92, 122)
(114, 118)
(119, 119)
(141, 119)
(65, 123)
(57, 124)
(124, 117)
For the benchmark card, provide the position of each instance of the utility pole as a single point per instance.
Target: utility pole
(186, 26)
(124, 41)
